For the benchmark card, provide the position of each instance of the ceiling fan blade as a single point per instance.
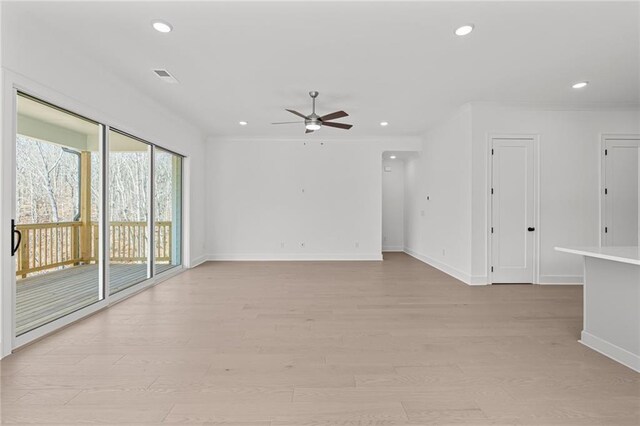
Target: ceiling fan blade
(337, 125)
(298, 114)
(289, 122)
(334, 115)
(308, 131)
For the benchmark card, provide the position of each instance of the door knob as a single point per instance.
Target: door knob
(530, 229)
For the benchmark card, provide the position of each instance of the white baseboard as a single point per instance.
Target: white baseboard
(479, 280)
(561, 279)
(198, 261)
(447, 269)
(270, 257)
(612, 351)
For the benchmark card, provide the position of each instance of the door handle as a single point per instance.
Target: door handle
(530, 229)
(15, 245)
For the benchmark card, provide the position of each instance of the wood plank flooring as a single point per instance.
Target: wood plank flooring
(323, 343)
(46, 297)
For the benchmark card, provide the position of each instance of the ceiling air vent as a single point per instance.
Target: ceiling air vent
(165, 76)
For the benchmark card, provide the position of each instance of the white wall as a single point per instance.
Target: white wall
(267, 197)
(450, 231)
(392, 205)
(570, 152)
(70, 79)
(438, 230)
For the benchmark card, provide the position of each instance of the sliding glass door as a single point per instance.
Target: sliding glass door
(56, 219)
(168, 210)
(98, 211)
(129, 193)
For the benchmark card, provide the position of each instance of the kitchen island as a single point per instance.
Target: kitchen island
(611, 323)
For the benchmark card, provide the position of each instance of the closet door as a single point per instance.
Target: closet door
(621, 192)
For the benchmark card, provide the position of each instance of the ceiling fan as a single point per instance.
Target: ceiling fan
(313, 121)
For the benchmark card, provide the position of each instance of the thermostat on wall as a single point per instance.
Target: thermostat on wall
(387, 168)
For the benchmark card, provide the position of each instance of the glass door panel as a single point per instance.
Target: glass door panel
(57, 202)
(129, 187)
(168, 210)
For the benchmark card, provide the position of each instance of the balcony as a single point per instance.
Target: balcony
(57, 270)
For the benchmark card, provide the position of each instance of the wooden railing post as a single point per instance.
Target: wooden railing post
(85, 206)
(24, 253)
(75, 244)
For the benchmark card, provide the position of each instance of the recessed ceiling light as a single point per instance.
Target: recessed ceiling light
(162, 26)
(393, 157)
(384, 123)
(242, 123)
(464, 30)
(580, 84)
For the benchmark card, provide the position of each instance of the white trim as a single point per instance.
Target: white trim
(186, 213)
(7, 212)
(198, 261)
(610, 350)
(561, 280)
(537, 106)
(479, 280)
(103, 212)
(447, 269)
(392, 249)
(269, 257)
(535, 138)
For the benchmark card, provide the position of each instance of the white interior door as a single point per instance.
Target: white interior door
(621, 192)
(512, 219)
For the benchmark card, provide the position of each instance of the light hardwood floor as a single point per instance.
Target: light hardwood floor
(323, 343)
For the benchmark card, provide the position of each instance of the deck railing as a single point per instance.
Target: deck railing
(53, 245)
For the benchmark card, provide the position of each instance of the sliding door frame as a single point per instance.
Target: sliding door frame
(11, 85)
(182, 206)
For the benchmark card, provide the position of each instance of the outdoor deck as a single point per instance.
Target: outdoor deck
(43, 298)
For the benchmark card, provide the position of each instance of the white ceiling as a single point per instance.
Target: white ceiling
(394, 61)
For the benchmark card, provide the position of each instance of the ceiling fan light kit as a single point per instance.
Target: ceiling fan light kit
(313, 121)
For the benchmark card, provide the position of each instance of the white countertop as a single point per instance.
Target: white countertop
(617, 254)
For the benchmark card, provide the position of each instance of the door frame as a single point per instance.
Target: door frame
(11, 84)
(604, 137)
(535, 139)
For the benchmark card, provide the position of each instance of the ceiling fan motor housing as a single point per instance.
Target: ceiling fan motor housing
(314, 122)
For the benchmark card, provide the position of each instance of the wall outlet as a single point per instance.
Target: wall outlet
(421, 212)
(384, 239)
(282, 245)
(443, 252)
(357, 244)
